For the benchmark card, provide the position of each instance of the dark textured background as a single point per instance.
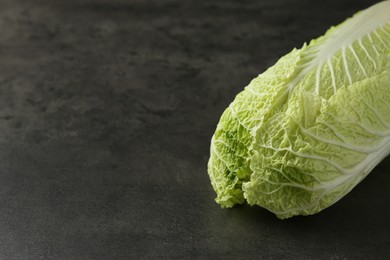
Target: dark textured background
(106, 113)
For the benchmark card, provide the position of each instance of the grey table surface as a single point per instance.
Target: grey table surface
(106, 113)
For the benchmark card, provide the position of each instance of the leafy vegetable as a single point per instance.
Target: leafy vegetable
(310, 128)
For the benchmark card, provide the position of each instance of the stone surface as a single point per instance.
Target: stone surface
(106, 113)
